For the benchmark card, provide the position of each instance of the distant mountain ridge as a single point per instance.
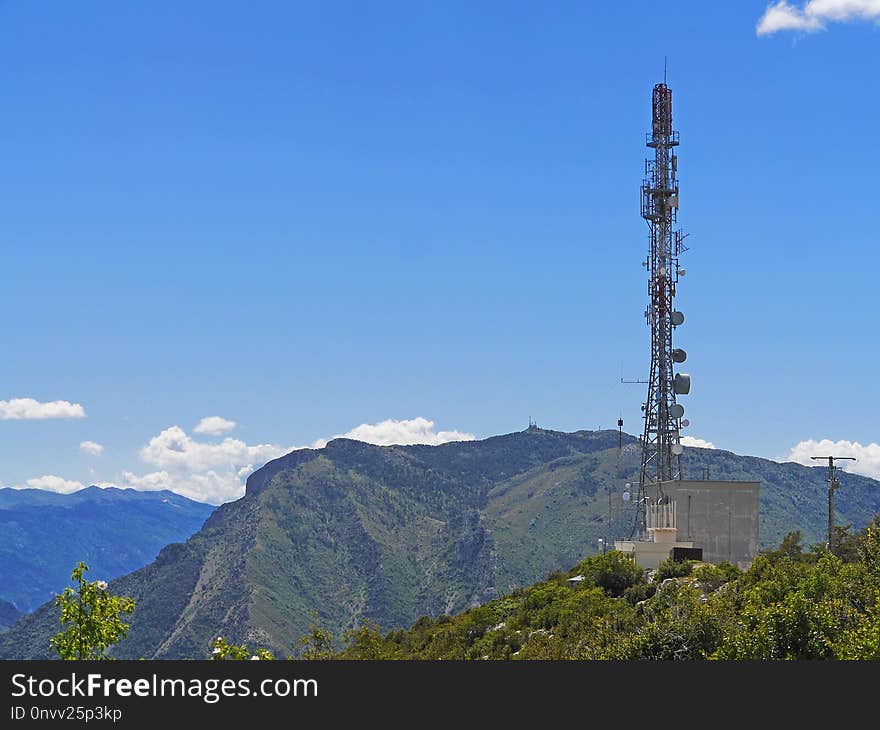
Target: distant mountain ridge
(354, 532)
(43, 535)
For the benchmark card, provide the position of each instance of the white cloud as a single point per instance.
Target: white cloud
(53, 483)
(782, 16)
(814, 14)
(408, 431)
(152, 482)
(699, 443)
(214, 425)
(130, 480)
(173, 448)
(92, 448)
(200, 470)
(20, 409)
(211, 486)
(867, 456)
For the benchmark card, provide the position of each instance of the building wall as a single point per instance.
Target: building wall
(648, 555)
(718, 516)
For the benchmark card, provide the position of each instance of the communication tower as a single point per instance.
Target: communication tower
(664, 416)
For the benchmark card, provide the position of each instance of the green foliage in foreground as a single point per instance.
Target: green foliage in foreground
(91, 617)
(791, 604)
(222, 650)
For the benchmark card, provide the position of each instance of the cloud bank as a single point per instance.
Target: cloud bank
(699, 443)
(867, 456)
(814, 15)
(406, 432)
(28, 409)
(52, 483)
(207, 471)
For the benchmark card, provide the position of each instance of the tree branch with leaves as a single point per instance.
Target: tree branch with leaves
(91, 617)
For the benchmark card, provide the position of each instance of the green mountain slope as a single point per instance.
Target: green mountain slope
(9, 614)
(357, 532)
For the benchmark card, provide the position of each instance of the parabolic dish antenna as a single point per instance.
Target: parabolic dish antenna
(626, 496)
(677, 449)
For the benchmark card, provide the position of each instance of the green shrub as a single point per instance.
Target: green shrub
(613, 572)
(710, 577)
(639, 592)
(670, 569)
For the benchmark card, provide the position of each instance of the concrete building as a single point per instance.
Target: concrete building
(719, 517)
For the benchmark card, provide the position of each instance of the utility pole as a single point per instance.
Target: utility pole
(610, 532)
(833, 484)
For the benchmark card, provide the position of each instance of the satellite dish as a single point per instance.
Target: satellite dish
(681, 384)
(626, 496)
(628, 485)
(677, 318)
(677, 449)
(676, 411)
(682, 272)
(679, 355)
(685, 423)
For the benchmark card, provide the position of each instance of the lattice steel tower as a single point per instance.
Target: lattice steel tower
(661, 447)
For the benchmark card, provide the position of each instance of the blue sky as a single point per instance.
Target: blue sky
(306, 217)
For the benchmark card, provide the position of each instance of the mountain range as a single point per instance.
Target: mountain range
(354, 532)
(114, 531)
